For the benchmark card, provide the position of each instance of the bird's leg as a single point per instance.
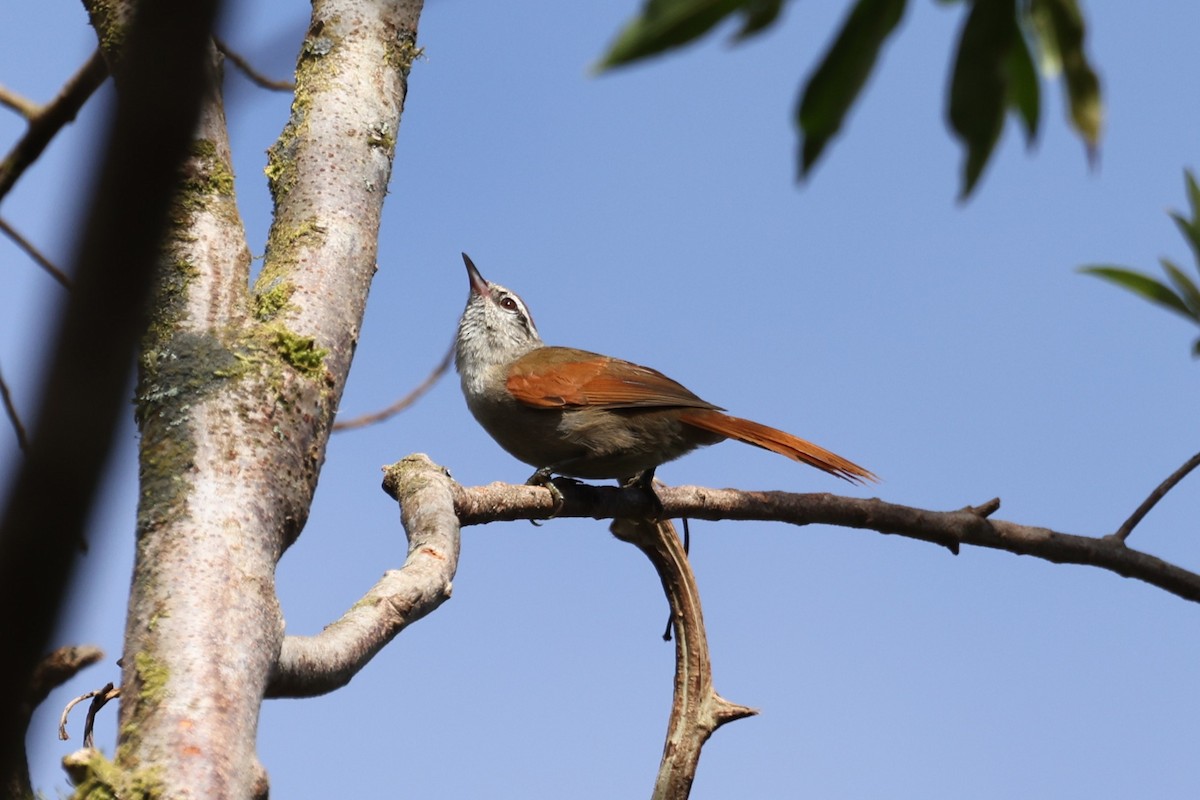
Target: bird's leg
(644, 480)
(544, 477)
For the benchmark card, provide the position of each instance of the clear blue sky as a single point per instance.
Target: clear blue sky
(651, 214)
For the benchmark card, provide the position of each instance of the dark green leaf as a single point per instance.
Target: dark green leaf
(1196, 349)
(1063, 32)
(1143, 285)
(1183, 284)
(759, 15)
(1193, 192)
(1190, 228)
(1024, 87)
(841, 74)
(666, 24)
(978, 90)
(1190, 231)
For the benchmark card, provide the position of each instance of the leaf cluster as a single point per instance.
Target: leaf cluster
(1180, 293)
(993, 74)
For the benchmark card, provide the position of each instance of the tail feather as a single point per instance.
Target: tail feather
(776, 441)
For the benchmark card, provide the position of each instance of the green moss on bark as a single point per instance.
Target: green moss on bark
(97, 778)
(205, 178)
(152, 674)
(404, 51)
(177, 372)
(271, 301)
(300, 352)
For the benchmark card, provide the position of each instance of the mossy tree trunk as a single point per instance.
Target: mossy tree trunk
(237, 390)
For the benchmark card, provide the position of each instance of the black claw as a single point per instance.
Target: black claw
(543, 477)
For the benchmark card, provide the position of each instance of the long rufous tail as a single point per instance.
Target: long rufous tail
(776, 441)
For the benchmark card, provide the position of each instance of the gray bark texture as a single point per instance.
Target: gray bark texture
(237, 390)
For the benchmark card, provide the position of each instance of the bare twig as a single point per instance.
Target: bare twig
(1175, 477)
(696, 709)
(985, 509)
(40, 259)
(250, 72)
(48, 120)
(98, 702)
(99, 698)
(18, 102)
(10, 409)
(74, 701)
(404, 402)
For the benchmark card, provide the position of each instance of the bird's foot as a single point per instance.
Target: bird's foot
(545, 477)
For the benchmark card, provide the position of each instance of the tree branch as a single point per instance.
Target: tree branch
(14, 417)
(696, 708)
(363, 420)
(100, 698)
(38, 257)
(250, 72)
(946, 528)
(1167, 485)
(18, 102)
(313, 665)
(433, 507)
(46, 121)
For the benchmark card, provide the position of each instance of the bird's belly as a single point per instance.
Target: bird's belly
(592, 443)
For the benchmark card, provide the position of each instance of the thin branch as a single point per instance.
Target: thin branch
(313, 665)
(98, 702)
(18, 102)
(31, 251)
(945, 528)
(10, 408)
(696, 709)
(404, 402)
(1175, 477)
(50, 119)
(100, 698)
(250, 72)
(74, 701)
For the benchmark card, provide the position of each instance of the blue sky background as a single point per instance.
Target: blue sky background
(651, 214)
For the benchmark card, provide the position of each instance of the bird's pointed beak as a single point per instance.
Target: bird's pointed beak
(479, 286)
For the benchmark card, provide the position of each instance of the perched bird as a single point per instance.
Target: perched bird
(585, 415)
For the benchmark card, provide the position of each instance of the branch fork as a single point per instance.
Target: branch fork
(433, 507)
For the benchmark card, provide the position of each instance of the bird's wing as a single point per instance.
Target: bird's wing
(563, 377)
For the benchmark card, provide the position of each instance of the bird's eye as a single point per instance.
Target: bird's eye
(509, 303)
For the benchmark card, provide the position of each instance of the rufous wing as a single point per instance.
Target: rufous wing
(563, 377)
(777, 441)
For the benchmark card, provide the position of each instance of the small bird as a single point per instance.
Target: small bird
(585, 415)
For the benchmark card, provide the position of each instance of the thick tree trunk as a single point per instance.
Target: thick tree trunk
(236, 397)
